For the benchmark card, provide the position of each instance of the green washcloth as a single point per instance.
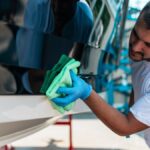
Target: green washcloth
(51, 74)
(61, 80)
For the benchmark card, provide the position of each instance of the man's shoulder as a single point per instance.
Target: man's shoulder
(145, 75)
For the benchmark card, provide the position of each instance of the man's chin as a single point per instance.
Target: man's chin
(135, 59)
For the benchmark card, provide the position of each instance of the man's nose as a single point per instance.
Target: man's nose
(138, 46)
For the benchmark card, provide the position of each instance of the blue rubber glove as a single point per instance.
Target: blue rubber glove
(80, 89)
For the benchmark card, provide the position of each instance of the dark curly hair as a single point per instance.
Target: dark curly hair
(145, 13)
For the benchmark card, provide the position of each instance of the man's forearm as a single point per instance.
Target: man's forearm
(115, 120)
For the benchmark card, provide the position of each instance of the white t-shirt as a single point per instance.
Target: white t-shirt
(141, 87)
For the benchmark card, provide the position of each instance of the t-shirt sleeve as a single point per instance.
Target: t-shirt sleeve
(141, 109)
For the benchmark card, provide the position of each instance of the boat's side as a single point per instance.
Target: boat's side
(15, 130)
(23, 115)
(21, 108)
(11, 127)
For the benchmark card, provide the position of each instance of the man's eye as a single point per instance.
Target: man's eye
(147, 44)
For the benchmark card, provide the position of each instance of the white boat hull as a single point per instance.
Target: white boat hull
(16, 130)
(23, 115)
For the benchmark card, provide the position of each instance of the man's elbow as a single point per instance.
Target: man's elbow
(123, 132)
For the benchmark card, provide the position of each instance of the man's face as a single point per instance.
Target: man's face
(139, 44)
(63, 9)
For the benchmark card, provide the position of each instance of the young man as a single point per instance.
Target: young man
(138, 118)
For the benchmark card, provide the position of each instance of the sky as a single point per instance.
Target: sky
(138, 3)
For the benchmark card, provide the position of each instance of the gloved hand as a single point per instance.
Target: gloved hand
(80, 89)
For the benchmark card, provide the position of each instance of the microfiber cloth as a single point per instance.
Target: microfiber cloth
(63, 79)
(51, 74)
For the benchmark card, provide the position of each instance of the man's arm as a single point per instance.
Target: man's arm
(119, 123)
(115, 120)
